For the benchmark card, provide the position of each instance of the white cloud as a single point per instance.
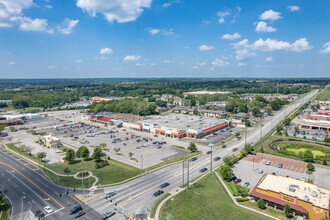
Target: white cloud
(293, 8)
(68, 25)
(262, 27)
(243, 50)
(219, 62)
(326, 47)
(132, 58)
(27, 24)
(299, 45)
(101, 58)
(205, 48)
(222, 15)
(154, 31)
(11, 14)
(106, 51)
(78, 61)
(140, 64)
(270, 15)
(170, 3)
(152, 64)
(49, 6)
(269, 59)
(53, 67)
(241, 64)
(115, 10)
(231, 36)
(198, 65)
(166, 61)
(165, 5)
(11, 63)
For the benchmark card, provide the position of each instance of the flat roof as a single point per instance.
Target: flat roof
(183, 122)
(318, 196)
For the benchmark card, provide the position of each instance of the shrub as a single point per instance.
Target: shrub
(242, 199)
(287, 211)
(261, 204)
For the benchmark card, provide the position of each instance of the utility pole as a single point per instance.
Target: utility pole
(182, 170)
(188, 176)
(211, 157)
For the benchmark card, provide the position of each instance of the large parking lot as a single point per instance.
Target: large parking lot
(253, 167)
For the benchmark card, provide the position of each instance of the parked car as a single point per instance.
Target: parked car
(107, 215)
(235, 149)
(80, 213)
(159, 192)
(224, 146)
(48, 209)
(246, 184)
(216, 158)
(39, 214)
(75, 209)
(164, 185)
(268, 163)
(280, 165)
(203, 170)
(260, 171)
(209, 152)
(274, 173)
(237, 180)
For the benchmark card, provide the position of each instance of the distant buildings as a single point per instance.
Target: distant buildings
(106, 99)
(305, 199)
(319, 121)
(8, 102)
(50, 141)
(206, 92)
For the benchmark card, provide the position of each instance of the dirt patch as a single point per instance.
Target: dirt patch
(88, 198)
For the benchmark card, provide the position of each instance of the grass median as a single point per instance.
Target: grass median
(207, 199)
(4, 209)
(154, 208)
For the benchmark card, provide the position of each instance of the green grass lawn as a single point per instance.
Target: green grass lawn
(28, 109)
(237, 189)
(269, 210)
(4, 208)
(207, 199)
(296, 150)
(154, 208)
(173, 160)
(13, 147)
(324, 95)
(113, 173)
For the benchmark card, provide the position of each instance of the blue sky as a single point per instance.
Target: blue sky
(164, 38)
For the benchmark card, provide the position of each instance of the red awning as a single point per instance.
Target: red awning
(216, 127)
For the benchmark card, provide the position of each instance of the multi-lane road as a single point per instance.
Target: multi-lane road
(28, 188)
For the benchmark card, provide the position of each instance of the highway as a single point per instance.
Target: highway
(137, 196)
(28, 188)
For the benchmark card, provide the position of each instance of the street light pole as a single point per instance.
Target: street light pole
(23, 197)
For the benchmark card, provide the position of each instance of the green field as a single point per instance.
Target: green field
(324, 95)
(296, 150)
(4, 208)
(207, 199)
(27, 110)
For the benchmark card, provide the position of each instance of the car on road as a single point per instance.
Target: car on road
(224, 146)
(193, 159)
(274, 173)
(208, 152)
(75, 209)
(107, 215)
(246, 184)
(48, 209)
(280, 165)
(39, 214)
(260, 171)
(237, 180)
(268, 163)
(80, 213)
(303, 178)
(110, 194)
(164, 185)
(216, 158)
(159, 192)
(203, 170)
(235, 149)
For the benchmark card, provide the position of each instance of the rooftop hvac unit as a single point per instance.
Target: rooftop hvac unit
(314, 194)
(306, 198)
(292, 188)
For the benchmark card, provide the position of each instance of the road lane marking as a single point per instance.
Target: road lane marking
(32, 183)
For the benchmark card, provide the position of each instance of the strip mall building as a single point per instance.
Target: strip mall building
(305, 199)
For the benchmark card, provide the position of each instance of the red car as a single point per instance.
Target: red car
(155, 135)
(114, 142)
(237, 180)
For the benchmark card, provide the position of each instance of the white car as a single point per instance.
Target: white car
(260, 171)
(268, 163)
(48, 209)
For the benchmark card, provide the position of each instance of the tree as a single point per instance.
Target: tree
(70, 155)
(12, 128)
(103, 145)
(310, 167)
(41, 155)
(324, 162)
(117, 150)
(308, 156)
(67, 171)
(2, 127)
(227, 161)
(287, 211)
(192, 147)
(247, 123)
(97, 154)
(83, 152)
(296, 128)
(268, 110)
(261, 204)
(226, 172)
(237, 134)
(33, 132)
(262, 149)
(130, 154)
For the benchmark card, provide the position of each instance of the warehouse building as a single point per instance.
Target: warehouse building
(179, 126)
(305, 199)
